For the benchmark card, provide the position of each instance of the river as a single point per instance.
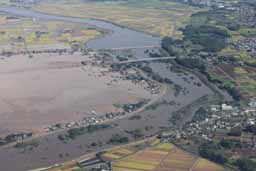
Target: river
(152, 120)
(119, 36)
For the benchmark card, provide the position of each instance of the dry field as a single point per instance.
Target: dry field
(162, 157)
(118, 153)
(150, 155)
(163, 21)
(205, 165)
(22, 33)
(243, 77)
(48, 89)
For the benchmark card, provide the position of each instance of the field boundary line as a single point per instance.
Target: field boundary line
(194, 164)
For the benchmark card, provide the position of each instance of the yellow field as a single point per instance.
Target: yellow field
(163, 157)
(163, 22)
(134, 165)
(205, 165)
(21, 33)
(164, 146)
(155, 142)
(117, 153)
(148, 157)
(123, 169)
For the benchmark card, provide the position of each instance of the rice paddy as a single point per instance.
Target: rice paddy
(162, 157)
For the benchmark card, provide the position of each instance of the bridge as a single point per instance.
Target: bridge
(145, 60)
(135, 47)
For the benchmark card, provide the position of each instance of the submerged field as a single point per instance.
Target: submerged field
(48, 89)
(158, 18)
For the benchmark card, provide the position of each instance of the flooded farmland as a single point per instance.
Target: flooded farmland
(48, 148)
(48, 89)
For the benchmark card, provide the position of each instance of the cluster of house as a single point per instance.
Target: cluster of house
(148, 84)
(96, 119)
(84, 122)
(248, 44)
(212, 3)
(14, 137)
(95, 164)
(24, 2)
(221, 117)
(245, 10)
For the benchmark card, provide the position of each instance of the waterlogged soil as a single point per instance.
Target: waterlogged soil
(47, 89)
(153, 119)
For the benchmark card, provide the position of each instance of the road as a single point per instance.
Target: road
(91, 155)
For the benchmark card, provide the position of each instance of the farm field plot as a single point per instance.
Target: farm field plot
(149, 155)
(118, 153)
(243, 77)
(162, 19)
(163, 157)
(20, 33)
(205, 165)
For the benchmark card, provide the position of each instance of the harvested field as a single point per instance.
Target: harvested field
(137, 158)
(23, 33)
(163, 157)
(162, 18)
(205, 165)
(118, 153)
(243, 77)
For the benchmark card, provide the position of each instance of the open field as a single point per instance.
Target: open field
(163, 157)
(205, 165)
(148, 155)
(243, 77)
(48, 89)
(153, 17)
(22, 33)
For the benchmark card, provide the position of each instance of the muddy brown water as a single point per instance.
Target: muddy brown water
(51, 150)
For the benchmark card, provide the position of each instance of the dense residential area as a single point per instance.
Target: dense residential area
(219, 44)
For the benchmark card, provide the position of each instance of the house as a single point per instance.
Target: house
(226, 107)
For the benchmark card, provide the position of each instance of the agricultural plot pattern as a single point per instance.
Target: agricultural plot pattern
(148, 156)
(23, 32)
(159, 157)
(163, 22)
(243, 77)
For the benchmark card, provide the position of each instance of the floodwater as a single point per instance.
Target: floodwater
(152, 121)
(48, 89)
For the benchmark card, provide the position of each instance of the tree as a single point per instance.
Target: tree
(245, 164)
(236, 131)
(212, 152)
(212, 38)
